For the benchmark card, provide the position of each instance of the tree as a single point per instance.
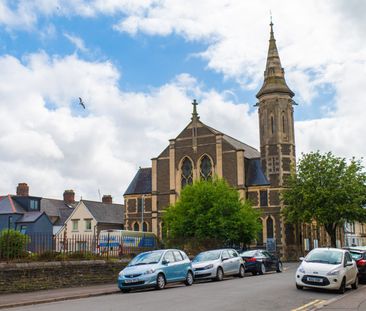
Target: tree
(212, 214)
(326, 189)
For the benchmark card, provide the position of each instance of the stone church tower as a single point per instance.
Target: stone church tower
(276, 120)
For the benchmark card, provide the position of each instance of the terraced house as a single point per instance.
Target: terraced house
(201, 151)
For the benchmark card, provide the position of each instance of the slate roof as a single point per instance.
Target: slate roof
(30, 217)
(141, 183)
(57, 208)
(106, 213)
(254, 173)
(10, 206)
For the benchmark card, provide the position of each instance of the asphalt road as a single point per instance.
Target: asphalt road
(273, 291)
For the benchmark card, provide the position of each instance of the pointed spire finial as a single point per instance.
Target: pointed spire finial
(271, 24)
(194, 113)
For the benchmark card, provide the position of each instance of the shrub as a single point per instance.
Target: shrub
(13, 244)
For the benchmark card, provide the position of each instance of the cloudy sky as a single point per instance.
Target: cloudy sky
(138, 64)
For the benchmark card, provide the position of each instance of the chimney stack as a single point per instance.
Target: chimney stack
(23, 189)
(69, 196)
(107, 198)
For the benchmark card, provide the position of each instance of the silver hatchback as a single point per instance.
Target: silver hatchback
(218, 263)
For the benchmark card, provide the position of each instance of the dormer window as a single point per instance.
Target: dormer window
(33, 205)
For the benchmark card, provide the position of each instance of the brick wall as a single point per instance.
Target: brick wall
(23, 277)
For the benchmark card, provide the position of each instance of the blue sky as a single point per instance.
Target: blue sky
(138, 64)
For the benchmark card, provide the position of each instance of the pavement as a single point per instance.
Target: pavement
(355, 300)
(53, 295)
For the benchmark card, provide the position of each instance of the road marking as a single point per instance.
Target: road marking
(311, 305)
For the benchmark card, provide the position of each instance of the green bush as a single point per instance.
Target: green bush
(13, 244)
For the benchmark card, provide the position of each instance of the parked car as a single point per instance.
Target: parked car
(358, 254)
(328, 268)
(218, 263)
(259, 261)
(156, 269)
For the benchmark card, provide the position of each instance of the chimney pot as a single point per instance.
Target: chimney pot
(69, 196)
(23, 189)
(107, 198)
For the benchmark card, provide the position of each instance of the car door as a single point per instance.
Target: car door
(225, 258)
(267, 260)
(351, 270)
(271, 262)
(169, 266)
(235, 261)
(180, 266)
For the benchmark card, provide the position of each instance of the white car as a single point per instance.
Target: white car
(328, 268)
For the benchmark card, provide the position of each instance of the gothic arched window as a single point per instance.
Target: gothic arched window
(187, 172)
(272, 124)
(269, 228)
(206, 168)
(283, 123)
(260, 233)
(144, 227)
(136, 227)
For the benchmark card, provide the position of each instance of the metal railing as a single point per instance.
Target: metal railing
(41, 246)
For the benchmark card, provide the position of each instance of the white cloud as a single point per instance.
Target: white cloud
(77, 41)
(101, 147)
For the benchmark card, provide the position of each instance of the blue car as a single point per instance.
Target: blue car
(156, 269)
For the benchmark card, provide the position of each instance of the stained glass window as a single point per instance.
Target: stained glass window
(187, 172)
(206, 168)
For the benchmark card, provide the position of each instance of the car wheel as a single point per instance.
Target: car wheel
(299, 286)
(279, 267)
(355, 284)
(160, 281)
(241, 273)
(219, 274)
(342, 288)
(262, 269)
(189, 279)
(125, 290)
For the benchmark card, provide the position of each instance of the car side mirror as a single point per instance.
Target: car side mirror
(349, 263)
(165, 262)
(301, 258)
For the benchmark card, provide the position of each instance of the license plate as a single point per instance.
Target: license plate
(131, 281)
(318, 280)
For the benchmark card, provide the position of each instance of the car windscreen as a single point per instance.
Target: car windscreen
(249, 254)
(356, 256)
(207, 256)
(325, 256)
(146, 258)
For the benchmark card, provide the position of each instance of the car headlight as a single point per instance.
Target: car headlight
(208, 267)
(301, 270)
(334, 272)
(120, 274)
(150, 271)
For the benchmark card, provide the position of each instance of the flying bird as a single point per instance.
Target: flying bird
(81, 103)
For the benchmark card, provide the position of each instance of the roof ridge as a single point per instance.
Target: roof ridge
(12, 203)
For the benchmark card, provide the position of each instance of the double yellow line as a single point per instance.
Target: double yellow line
(311, 305)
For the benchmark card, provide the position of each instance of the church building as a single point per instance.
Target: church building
(200, 152)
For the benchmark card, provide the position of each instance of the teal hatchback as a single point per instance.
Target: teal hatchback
(156, 269)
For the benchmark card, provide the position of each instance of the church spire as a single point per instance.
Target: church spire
(274, 75)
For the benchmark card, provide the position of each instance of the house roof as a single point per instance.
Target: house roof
(141, 183)
(254, 173)
(105, 213)
(57, 208)
(30, 217)
(10, 206)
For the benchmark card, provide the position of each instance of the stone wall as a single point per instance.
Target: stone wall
(22, 277)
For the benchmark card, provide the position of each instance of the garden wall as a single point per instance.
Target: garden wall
(22, 277)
